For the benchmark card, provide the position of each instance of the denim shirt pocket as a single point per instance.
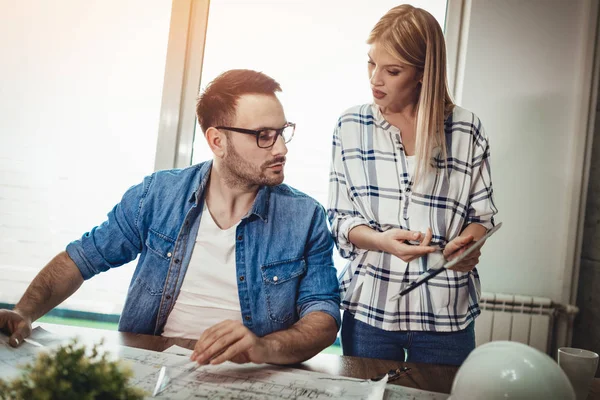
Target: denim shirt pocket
(158, 257)
(281, 281)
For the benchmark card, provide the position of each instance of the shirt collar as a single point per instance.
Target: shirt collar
(204, 174)
(260, 207)
(379, 119)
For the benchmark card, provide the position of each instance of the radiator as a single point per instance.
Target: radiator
(535, 321)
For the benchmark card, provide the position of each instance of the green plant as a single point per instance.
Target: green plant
(69, 373)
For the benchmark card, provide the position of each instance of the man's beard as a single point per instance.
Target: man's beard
(242, 173)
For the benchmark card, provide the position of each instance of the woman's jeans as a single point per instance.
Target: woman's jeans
(362, 340)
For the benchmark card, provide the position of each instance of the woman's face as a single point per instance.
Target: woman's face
(395, 85)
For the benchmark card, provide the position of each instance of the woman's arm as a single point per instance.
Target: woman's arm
(459, 244)
(342, 213)
(481, 202)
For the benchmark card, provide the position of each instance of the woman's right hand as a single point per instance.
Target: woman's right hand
(393, 241)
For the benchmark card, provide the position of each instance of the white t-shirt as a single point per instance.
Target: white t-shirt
(209, 292)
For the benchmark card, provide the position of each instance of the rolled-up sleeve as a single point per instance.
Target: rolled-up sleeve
(319, 287)
(116, 241)
(481, 201)
(341, 212)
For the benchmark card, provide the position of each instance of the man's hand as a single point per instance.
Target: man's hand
(15, 325)
(229, 341)
(393, 241)
(456, 247)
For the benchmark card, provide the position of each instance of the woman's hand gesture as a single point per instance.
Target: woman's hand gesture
(394, 241)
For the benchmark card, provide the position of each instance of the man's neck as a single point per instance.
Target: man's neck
(228, 204)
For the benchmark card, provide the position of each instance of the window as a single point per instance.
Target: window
(80, 106)
(80, 113)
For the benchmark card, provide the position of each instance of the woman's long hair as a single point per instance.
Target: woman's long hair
(414, 37)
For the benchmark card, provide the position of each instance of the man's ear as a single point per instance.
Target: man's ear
(217, 141)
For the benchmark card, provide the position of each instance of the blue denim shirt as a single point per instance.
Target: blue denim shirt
(283, 252)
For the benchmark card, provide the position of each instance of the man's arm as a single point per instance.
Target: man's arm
(317, 302)
(232, 341)
(59, 279)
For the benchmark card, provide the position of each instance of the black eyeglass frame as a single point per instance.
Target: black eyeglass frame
(278, 132)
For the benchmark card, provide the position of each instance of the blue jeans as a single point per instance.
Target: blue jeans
(363, 340)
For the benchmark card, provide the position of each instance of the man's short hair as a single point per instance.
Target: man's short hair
(217, 104)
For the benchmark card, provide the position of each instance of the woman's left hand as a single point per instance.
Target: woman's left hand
(456, 247)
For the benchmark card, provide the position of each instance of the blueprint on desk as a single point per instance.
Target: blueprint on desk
(248, 381)
(13, 360)
(226, 381)
(392, 392)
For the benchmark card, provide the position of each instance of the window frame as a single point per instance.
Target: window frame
(183, 71)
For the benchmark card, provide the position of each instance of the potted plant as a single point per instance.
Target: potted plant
(71, 372)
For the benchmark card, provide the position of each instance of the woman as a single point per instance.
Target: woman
(410, 184)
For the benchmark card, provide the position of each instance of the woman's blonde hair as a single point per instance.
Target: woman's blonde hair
(414, 37)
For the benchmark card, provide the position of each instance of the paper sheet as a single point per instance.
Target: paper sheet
(248, 381)
(392, 392)
(13, 360)
(226, 381)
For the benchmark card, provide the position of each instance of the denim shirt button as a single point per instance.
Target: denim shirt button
(177, 261)
(169, 255)
(240, 237)
(168, 297)
(247, 318)
(275, 279)
(242, 278)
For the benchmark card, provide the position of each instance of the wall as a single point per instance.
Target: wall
(587, 323)
(525, 74)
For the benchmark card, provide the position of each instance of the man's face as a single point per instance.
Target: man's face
(247, 163)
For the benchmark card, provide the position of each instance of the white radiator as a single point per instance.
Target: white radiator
(535, 321)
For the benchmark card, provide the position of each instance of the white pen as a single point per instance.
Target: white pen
(30, 341)
(164, 379)
(33, 342)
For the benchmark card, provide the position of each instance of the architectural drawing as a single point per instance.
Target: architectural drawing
(247, 382)
(12, 360)
(226, 381)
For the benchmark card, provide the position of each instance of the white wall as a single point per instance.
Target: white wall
(80, 97)
(526, 76)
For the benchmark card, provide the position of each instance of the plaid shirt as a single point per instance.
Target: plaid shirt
(369, 185)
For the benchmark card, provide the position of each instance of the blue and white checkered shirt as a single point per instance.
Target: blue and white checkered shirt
(370, 184)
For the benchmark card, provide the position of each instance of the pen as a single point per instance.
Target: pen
(33, 342)
(430, 273)
(393, 374)
(164, 378)
(443, 265)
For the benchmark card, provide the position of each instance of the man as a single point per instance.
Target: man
(227, 253)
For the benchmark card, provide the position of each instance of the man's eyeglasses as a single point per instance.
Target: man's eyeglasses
(266, 137)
